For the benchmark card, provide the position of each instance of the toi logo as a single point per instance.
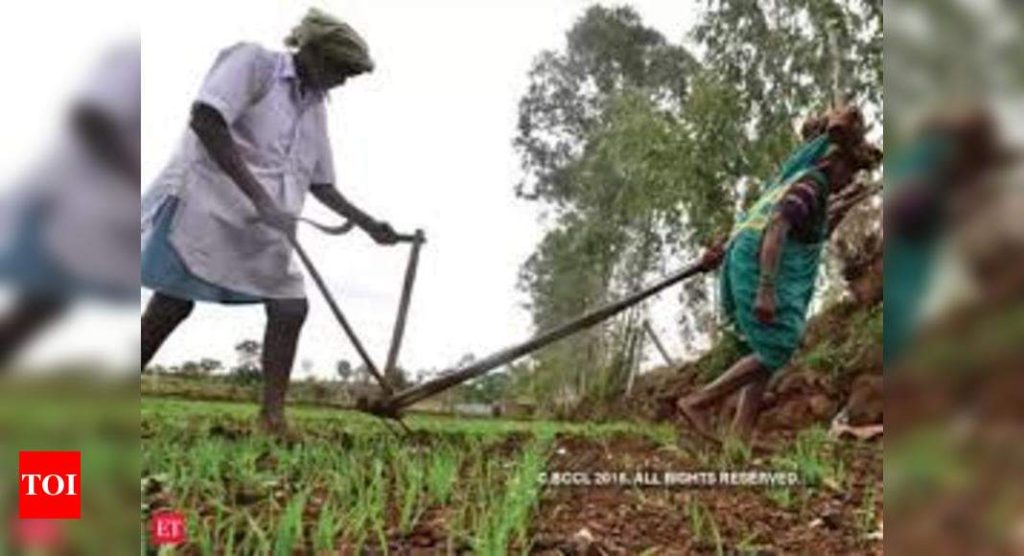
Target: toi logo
(49, 485)
(166, 527)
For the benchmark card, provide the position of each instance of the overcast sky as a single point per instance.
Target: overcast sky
(424, 141)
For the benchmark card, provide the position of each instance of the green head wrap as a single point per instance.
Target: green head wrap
(337, 39)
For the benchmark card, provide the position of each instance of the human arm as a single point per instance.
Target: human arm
(796, 213)
(769, 258)
(102, 138)
(237, 79)
(329, 196)
(104, 116)
(714, 254)
(215, 136)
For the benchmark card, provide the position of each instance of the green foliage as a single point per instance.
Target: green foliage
(517, 502)
(813, 457)
(487, 389)
(196, 369)
(735, 453)
(442, 471)
(749, 545)
(859, 339)
(702, 525)
(289, 529)
(782, 497)
(328, 527)
(607, 51)
(867, 520)
(247, 371)
(246, 375)
(411, 478)
(798, 46)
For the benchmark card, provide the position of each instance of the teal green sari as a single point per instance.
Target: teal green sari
(773, 344)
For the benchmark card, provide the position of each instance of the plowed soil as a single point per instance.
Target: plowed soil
(823, 519)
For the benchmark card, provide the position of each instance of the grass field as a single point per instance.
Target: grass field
(347, 479)
(347, 484)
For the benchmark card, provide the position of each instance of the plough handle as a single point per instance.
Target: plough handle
(347, 226)
(417, 237)
(403, 304)
(394, 404)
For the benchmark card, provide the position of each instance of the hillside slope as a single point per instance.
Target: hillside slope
(839, 365)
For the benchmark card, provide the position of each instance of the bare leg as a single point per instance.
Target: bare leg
(29, 315)
(163, 314)
(285, 318)
(750, 407)
(744, 372)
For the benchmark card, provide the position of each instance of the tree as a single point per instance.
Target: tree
(608, 50)
(582, 105)
(190, 369)
(247, 370)
(198, 369)
(488, 389)
(210, 366)
(248, 352)
(344, 370)
(154, 370)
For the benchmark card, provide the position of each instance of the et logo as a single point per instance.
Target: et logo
(166, 528)
(49, 485)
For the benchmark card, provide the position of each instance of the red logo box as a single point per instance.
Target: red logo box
(49, 485)
(166, 527)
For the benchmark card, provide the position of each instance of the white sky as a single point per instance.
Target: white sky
(424, 141)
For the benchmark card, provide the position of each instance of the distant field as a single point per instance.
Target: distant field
(347, 484)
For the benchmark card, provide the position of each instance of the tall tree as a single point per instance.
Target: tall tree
(576, 101)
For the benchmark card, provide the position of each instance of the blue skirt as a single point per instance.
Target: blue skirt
(27, 264)
(163, 270)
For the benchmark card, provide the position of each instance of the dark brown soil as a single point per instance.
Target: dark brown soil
(656, 520)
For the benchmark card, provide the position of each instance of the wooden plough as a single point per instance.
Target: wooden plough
(391, 403)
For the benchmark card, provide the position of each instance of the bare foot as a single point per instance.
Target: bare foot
(695, 419)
